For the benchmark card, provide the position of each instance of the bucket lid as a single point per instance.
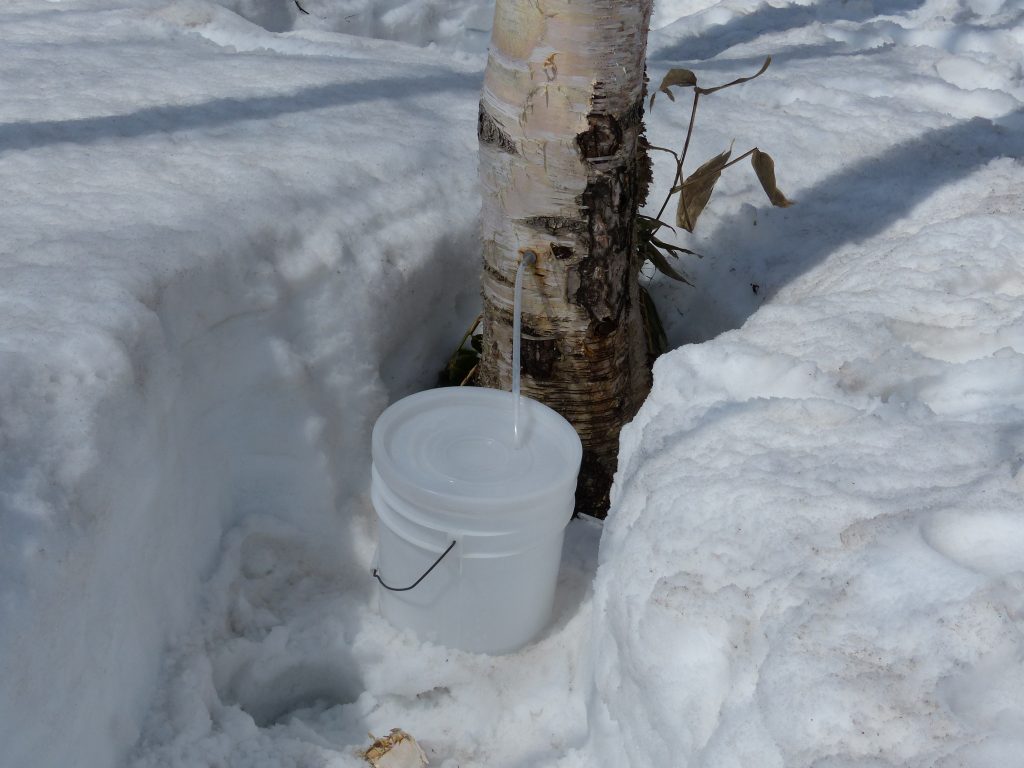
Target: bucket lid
(453, 449)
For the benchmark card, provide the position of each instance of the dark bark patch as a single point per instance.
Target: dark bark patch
(594, 487)
(488, 131)
(557, 226)
(635, 114)
(561, 251)
(644, 168)
(602, 139)
(539, 358)
(609, 200)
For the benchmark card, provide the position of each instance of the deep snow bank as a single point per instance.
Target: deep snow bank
(211, 261)
(815, 554)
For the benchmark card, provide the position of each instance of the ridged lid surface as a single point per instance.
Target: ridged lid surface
(453, 448)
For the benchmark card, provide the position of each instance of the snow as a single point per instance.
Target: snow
(232, 234)
(199, 246)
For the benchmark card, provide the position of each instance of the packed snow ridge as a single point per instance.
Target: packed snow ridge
(233, 233)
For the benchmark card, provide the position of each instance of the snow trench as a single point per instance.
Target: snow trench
(215, 275)
(241, 392)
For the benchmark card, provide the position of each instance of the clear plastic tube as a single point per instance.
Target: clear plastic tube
(529, 258)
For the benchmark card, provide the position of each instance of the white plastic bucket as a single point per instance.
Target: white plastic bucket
(446, 469)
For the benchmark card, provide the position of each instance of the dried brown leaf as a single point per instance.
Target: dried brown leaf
(695, 192)
(674, 77)
(764, 167)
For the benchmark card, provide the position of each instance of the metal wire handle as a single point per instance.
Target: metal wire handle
(376, 573)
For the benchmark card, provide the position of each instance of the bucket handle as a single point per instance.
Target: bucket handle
(376, 573)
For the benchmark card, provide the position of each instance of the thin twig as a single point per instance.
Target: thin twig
(745, 155)
(469, 331)
(682, 159)
(301, 8)
(679, 165)
(664, 149)
(469, 375)
(736, 82)
(689, 132)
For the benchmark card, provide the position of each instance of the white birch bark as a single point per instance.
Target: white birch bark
(560, 119)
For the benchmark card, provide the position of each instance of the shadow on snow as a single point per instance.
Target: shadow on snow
(26, 135)
(850, 206)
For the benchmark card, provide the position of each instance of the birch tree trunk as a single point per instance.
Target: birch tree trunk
(559, 128)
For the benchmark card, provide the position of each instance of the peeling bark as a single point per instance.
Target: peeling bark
(560, 134)
(489, 132)
(602, 139)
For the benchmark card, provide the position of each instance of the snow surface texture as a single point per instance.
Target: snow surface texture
(231, 234)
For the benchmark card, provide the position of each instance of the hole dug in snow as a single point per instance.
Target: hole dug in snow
(288, 647)
(282, 675)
